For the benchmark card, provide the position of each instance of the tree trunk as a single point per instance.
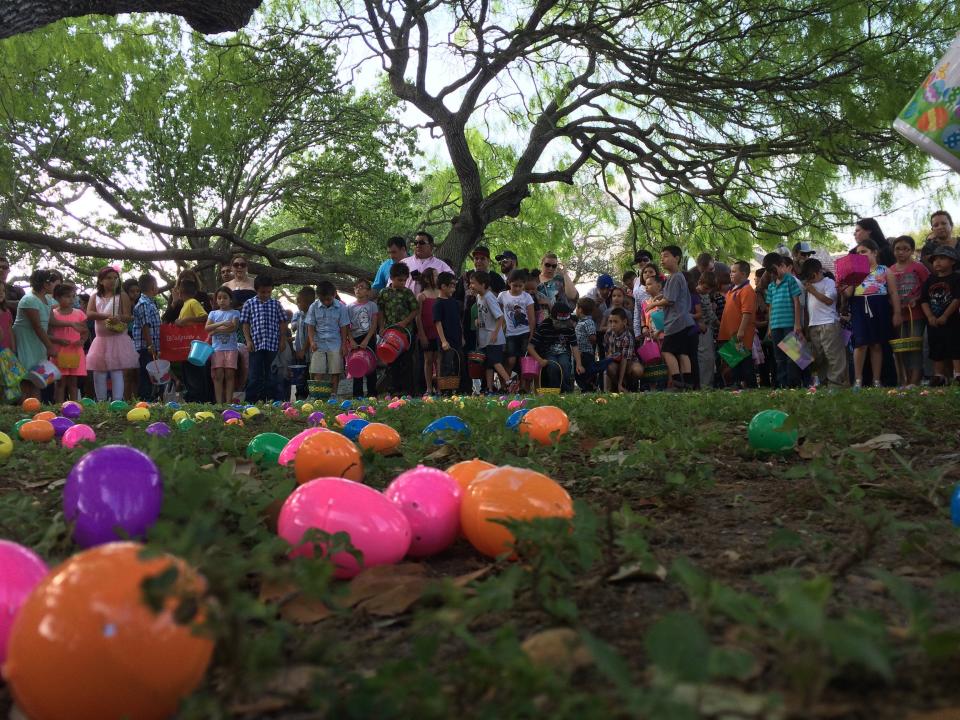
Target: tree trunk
(464, 235)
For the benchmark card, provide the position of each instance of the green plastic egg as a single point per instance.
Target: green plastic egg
(185, 424)
(88, 402)
(766, 432)
(268, 446)
(119, 406)
(16, 426)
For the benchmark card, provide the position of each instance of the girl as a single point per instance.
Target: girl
(706, 345)
(870, 312)
(426, 329)
(653, 317)
(70, 357)
(11, 371)
(30, 327)
(618, 299)
(910, 276)
(193, 313)
(222, 325)
(363, 332)
(112, 350)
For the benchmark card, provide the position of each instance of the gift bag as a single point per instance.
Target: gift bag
(733, 353)
(175, 341)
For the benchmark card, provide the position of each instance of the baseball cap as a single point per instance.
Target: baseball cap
(507, 255)
(806, 249)
(481, 250)
(561, 311)
(642, 256)
(944, 251)
(604, 282)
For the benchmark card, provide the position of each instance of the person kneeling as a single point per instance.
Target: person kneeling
(620, 346)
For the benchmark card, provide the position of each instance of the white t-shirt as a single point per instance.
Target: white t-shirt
(515, 312)
(488, 312)
(821, 313)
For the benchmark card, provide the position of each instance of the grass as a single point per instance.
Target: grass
(697, 580)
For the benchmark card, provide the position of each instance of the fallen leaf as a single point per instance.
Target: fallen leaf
(304, 611)
(810, 450)
(279, 692)
(276, 591)
(441, 453)
(381, 579)
(243, 467)
(398, 599)
(219, 457)
(639, 570)
(887, 441)
(611, 443)
(617, 457)
(722, 702)
(464, 580)
(560, 649)
(731, 555)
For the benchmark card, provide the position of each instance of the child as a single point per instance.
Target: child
(519, 312)
(146, 333)
(679, 345)
(264, 323)
(111, 351)
(363, 331)
(195, 379)
(222, 325)
(618, 299)
(298, 325)
(738, 322)
(426, 330)
(619, 345)
(280, 368)
(11, 371)
(783, 303)
(490, 324)
(652, 326)
(327, 323)
(706, 287)
(541, 303)
(553, 342)
(446, 320)
(398, 308)
(586, 332)
(910, 276)
(70, 357)
(823, 331)
(940, 300)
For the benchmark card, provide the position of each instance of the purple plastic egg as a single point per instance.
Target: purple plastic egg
(112, 493)
(61, 425)
(77, 434)
(71, 409)
(430, 499)
(315, 418)
(159, 429)
(230, 415)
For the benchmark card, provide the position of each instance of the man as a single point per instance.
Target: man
(422, 259)
(706, 263)
(396, 251)
(226, 272)
(641, 259)
(600, 294)
(802, 251)
(508, 263)
(13, 293)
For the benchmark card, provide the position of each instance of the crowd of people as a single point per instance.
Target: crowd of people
(660, 326)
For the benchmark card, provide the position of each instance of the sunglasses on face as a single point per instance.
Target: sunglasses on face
(550, 266)
(239, 265)
(421, 242)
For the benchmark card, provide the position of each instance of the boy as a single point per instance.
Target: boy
(679, 345)
(586, 332)
(783, 303)
(446, 318)
(552, 343)
(490, 324)
(264, 323)
(398, 307)
(363, 331)
(327, 321)
(940, 300)
(146, 333)
(298, 325)
(823, 330)
(739, 320)
(620, 351)
(520, 316)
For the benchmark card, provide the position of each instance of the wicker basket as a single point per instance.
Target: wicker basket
(450, 382)
(907, 344)
(550, 390)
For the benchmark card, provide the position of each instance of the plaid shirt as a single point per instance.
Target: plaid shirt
(618, 346)
(264, 319)
(145, 313)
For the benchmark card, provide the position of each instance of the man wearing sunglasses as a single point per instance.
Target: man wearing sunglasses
(422, 259)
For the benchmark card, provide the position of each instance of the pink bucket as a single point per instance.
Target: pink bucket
(529, 367)
(361, 362)
(649, 352)
(851, 270)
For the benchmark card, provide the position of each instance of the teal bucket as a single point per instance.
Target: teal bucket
(200, 352)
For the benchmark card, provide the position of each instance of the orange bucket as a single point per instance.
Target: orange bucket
(394, 342)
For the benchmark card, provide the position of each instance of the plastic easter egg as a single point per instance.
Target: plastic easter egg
(344, 418)
(186, 424)
(30, 405)
(119, 406)
(250, 412)
(142, 404)
(138, 414)
(19, 424)
(954, 506)
(291, 412)
(180, 415)
(71, 409)
(766, 434)
(545, 424)
(158, 429)
(87, 624)
(203, 416)
(514, 405)
(379, 438)
(61, 425)
(395, 404)
(77, 434)
(6, 446)
(230, 415)
(173, 405)
(376, 526)
(445, 428)
(353, 428)
(234, 422)
(466, 472)
(306, 408)
(290, 449)
(21, 570)
(45, 415)
(508, 493)
(513, 421)
(315, 419)
(37, 431)
(267, 447)
(110, 488)
(328, 454)
(430, 499)
(285, 405)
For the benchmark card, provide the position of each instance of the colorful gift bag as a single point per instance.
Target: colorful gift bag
(733, 353)
(12, 374)
(931, 120)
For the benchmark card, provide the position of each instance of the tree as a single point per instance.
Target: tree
(203, 148)
(750, 110)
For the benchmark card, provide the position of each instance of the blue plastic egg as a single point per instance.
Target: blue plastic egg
(444, 427)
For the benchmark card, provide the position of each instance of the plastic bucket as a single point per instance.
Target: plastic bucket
(529, 367)
(45, 374)
(159, 371)
(475, 367)
(200, 352)
(648, 352)
(361, 362)
(394, 342)
(298, 374)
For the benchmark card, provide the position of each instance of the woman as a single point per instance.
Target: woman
(556, 285)
(870, 313)
(242, 288)
(33, 320)
(869, 229)
(112, 351)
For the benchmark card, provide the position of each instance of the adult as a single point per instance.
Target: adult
(422, 259)
(641, 259)
(396, 251)
(706, 263)
(31, 325)
(869, 229)
(226, 272)
(801, 252)
(508, 263)
(555, 284)
(12, 292)
(600, 294)
(481, 262)
(242, 284)
(941, 234)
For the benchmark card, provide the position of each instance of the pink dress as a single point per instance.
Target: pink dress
(110, 350)
(75, 347)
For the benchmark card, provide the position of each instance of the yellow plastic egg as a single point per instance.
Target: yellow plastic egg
(203, 415)
(180, 415)
(138, 414)
(6, 446)
(307, 408)
(251, 412)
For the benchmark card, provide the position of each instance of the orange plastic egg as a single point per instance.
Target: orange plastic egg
(45, 415)
(379, 437)
(508, 492)
(328, 454)
(37, 431)
(87, 625)
(143, 404)
(234, 421)
(466, 472)
(545, 424)
(30, 405)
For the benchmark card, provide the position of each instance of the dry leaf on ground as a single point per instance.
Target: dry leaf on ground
(887, 441)
(639, 570)
(558, 648)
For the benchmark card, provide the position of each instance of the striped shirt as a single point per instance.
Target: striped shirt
(264, 319)
(780, 297)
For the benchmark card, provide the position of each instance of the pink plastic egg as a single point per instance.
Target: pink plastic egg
(430, 498)
(376, 526)
(20, 571)
(291, 412)
(290, 449)
(344, 418)
(77, 434)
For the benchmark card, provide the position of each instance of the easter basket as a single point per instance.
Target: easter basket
(449, 382)
(550, 390)
(904, 344)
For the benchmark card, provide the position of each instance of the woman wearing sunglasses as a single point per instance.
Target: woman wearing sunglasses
(554, 281)
(242, 284)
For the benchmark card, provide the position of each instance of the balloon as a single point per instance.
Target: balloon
(20, 571)
(268, 446)
(45, 415)
(37, 431)
(466, 472)
(138, 414)
(30, 405)
(430, 499)
(109, 488)
(765, 435)
(87, 625)
(353, 428)
(77, 434)
(328, 454)
(61, 425)
(71, 409)
(445, 427)
(380, 438)
(508, 492)
(513, 422)
(6, 446)
(118, 406)
(376, 526)
(545, 424)
(158, 429)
